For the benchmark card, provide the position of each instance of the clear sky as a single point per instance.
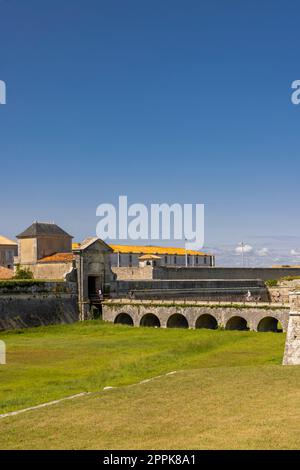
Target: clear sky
(162, 100)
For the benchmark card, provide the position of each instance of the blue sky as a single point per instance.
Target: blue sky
(164, 101)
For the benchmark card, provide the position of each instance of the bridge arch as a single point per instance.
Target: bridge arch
(269, 324)
(237, 323)
(206, 321)
(177, 320)
(124, 319)
(150, 319)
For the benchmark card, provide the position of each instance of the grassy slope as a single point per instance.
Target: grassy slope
(48, 363)
(252, 407)
(233, 392)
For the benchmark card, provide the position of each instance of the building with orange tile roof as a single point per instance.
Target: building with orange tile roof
(45, 249)
(130, 256)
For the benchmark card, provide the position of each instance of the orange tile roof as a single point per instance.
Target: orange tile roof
(154, 250)
(6, 273)
(57, 258)
(151, 250)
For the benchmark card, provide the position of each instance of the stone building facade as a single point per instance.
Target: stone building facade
(141, 256)
(94, 275)
(46, 250)
(8, 250)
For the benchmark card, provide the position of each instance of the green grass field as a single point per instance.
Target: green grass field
(230, 392)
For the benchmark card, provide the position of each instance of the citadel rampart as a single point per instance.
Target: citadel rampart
(264, 274)
(198, 273)
(32, 303)
(200, 289)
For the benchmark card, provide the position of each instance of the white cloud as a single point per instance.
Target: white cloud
(243, 249)
(295, 252)
(263, 252)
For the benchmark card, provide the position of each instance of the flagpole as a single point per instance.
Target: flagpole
(242, 245)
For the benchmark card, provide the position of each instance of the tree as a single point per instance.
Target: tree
(23, 273)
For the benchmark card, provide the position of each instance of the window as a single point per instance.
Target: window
(205, 260)
(130, 260)
(175, 260)
(188, 259)
(9, 255)
(166, 260)
(197, 260)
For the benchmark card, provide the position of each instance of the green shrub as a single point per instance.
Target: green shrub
(272, 283)
(290, 278)
(23, 273)
(20, 282)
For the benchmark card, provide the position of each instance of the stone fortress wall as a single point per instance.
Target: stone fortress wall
(29, 304)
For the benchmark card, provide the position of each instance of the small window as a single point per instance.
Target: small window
(130, 260)
(175, 260)
(188, 259)
(205, 260)
(197, 260)
(166, 260)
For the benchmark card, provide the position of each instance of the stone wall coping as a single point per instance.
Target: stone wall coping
(196, 303)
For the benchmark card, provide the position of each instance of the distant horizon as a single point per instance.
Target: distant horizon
(266, 250)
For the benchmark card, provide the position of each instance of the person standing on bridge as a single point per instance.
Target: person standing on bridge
(100, 294)
(248, 296)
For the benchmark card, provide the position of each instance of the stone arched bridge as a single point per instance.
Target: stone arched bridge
(196, 314)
